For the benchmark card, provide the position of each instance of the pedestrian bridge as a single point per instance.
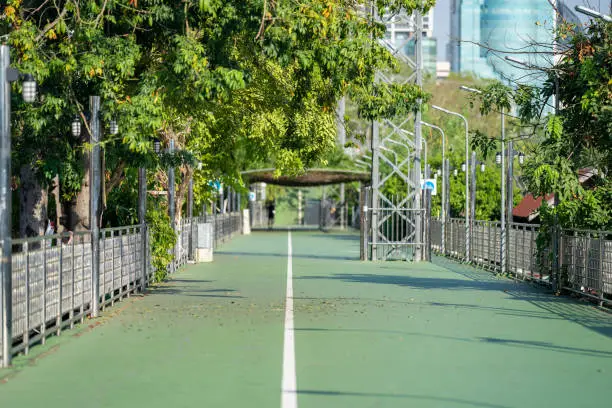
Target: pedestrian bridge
(294, 319)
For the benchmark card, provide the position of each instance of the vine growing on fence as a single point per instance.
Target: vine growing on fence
(162, 241)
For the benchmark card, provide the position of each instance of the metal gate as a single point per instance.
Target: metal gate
(394, 209)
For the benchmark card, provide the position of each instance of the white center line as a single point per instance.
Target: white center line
(289, 382)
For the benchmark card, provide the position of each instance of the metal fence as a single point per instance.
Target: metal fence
(52, 286)
(585, 257)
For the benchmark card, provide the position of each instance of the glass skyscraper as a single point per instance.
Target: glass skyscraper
(489, 30)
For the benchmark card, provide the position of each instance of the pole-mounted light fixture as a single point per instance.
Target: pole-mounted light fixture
(113, 127)
(463, 166)
(521, 157)
(482, 167)
(29, 88)
(75, 126)
(156, 146)
(455, 172)
(498, 158)
(593, 13)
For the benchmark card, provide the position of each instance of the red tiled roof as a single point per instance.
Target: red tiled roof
(529, 206)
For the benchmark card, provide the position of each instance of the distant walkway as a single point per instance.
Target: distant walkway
(366, 335)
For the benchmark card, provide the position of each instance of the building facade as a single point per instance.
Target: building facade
(483, 32)
(399, 33)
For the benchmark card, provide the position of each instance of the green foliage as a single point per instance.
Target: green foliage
(162, 241)
(237, 83)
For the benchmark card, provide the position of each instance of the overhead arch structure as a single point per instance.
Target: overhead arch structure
(310, 178)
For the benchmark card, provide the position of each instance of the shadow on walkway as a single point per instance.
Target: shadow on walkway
(451, 401)
(577, 311)
(521, 344)
(294, 255)
(416, 282)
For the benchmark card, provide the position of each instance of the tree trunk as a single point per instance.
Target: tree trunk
(33, 199)
(59, 210)
(78, 211)
(181, 194)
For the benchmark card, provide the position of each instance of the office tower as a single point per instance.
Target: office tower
(489, 30)
(400, 35)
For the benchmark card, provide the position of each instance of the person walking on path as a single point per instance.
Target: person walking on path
(271, 212)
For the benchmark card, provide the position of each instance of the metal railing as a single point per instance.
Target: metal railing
(585, 257)
(52, 287)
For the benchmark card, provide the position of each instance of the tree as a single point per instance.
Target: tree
(577, 134)
(234, 82)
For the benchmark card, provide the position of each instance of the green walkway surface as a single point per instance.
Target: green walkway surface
(366, 335)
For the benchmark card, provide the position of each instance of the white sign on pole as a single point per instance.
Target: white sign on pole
(430, 184)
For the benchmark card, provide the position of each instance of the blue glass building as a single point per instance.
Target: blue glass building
(489, 30)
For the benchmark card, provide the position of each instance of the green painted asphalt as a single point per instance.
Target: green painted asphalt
(367, 335)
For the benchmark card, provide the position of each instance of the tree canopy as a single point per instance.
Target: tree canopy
(237, 83)
(576, 135)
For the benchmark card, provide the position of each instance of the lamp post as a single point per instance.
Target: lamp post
(592, 13)
(467, 180)
(444, 181)
(8, 75)
(95, 184)
(502, 246)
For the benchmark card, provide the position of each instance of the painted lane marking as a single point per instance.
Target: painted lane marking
(289, 381)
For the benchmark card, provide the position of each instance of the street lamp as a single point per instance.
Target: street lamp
(113, 127)
(8, 75)
(29, 88)
(157, 146)
(593, 13)
(444, 176)
(463, 166)
(499, 159)
(75, 126)
(467, 180)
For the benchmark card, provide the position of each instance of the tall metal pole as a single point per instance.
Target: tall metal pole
(502, 237)
(418, 255)
(556, 231)
(94, 201)
(190, 217)
(300, 212)
(171, 189)
(5, 208)
(468, 232)
(190, 199)
(443, 210)
(375, 164)
(171, 202)
(445, 201)
(467, 179)
(341, 141)
(375, 191)
(142, 211)
(509, 198)
(473, 193)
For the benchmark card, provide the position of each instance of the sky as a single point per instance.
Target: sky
(442, 19)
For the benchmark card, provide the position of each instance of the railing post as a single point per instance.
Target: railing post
(142, 211)
(601, 268)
